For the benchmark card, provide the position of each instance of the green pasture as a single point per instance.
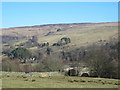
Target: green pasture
(17, 80)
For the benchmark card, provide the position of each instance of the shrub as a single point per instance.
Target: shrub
(115, 83)
(103, 82)
(24, 76)
(109, 82)
(56, 44)
(8, 75)
(90, 81)
(99, 80)
(65, 40)
(33, 80)
(71, 81)
(58, 30)
(26, 79)
(76, 80)
(82, 80)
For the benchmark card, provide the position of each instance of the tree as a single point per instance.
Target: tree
(7, 65)
(20, 53)
(52, 63)
(65, 40)
(100, 63)
(34, 39)
(48, 51)
(58, 30)
(47, 44)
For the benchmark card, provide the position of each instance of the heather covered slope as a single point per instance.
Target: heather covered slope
(80, 33)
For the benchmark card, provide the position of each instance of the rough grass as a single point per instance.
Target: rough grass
(19, 42)
(80, 35)
(15, 80)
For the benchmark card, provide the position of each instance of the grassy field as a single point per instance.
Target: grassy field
(15, 80)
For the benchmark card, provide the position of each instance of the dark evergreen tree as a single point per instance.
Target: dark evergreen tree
(20, 53)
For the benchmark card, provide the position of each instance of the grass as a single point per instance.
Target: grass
(15, 80)
(19, 42)
(79, 35)
(33, 48)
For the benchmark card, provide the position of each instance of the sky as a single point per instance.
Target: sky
(17, 14)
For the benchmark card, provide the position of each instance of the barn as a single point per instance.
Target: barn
(82, 71)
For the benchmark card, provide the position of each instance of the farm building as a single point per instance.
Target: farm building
(82, 70)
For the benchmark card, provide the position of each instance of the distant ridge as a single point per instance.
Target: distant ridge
(56, 25)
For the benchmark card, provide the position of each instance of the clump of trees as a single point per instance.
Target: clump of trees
(19, 60)
(62, 41)
(101, 64)
(65, 40)
(10, 65)
(47, 64)
(50, 63)
(20, 53)
(44, 44)
(102, 59)
(56, 44)
(58, 30)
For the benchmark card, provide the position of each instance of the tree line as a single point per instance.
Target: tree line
(101, 58)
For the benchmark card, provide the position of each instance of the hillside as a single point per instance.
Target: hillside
(59, 46)
(81, 34)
